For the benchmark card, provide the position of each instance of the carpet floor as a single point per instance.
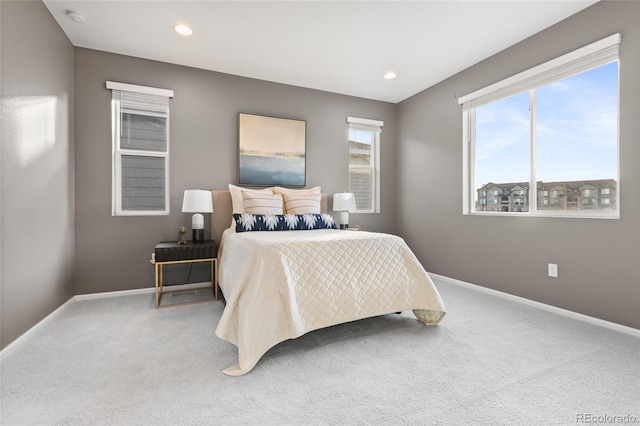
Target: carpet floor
(120, 361)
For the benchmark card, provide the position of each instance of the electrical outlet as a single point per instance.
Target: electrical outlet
(553, 270)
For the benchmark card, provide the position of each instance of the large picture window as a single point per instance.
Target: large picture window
(140, 119)
(364, 163)
(545, 142)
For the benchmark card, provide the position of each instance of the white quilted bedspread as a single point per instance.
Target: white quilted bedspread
(281, 285)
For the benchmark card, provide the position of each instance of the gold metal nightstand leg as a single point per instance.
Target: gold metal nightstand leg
(160, 286)
(157, 284)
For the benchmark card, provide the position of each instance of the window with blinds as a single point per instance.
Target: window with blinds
(364, 163)
(140, 118)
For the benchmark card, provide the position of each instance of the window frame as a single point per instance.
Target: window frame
(144, 105)
(587, 58)
(375, 126)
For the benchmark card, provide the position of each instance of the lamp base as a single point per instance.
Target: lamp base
(344, 220)
(197, 235)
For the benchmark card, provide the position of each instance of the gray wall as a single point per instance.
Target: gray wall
(113, 252)
(37, 230)
(598, 259)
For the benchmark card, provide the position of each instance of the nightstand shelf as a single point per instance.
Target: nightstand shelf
(172, 253)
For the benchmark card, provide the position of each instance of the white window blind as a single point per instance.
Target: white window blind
(140, 117)
(364, 163)
(593, 55)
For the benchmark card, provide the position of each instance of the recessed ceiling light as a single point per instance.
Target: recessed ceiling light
(76, 16)
(390, 75)
(183, 29)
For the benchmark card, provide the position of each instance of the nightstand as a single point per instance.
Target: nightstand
(172, 253)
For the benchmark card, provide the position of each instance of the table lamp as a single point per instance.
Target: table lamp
(344, 202)
(197, 201)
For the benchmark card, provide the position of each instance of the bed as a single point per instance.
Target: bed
(281, 285)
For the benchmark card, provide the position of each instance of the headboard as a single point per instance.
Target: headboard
(223, 211)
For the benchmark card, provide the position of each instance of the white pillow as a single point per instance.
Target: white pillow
(281, 190)
(301, 203)
(257, 203)
(238, 201)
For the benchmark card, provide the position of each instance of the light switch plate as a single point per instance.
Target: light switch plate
(553, 270)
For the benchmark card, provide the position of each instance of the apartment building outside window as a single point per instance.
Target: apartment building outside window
(567, 196)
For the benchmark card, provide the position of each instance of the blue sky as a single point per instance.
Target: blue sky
(576, 131)
(361, 136)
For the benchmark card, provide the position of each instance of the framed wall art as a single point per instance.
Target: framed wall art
(272, 151)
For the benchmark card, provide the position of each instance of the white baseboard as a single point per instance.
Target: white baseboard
(149, 290)
(106, 294)
(11, 346)
(564, 312)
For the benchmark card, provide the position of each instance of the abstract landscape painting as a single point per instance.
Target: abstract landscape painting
(272, 151)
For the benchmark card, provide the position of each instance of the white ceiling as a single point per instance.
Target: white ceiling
(337, 46)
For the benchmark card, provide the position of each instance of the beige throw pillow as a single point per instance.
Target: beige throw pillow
(301, 203)
(237, 201)
(258, 203)
(236, 196)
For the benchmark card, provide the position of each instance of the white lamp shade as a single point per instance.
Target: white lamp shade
(344, 202)
(197, 201)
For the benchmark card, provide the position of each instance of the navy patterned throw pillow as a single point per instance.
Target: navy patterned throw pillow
(282, 222)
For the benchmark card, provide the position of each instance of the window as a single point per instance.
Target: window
(140, 146)
(552, 129)
(364, 163)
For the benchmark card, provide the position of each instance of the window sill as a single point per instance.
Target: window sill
(564, 215)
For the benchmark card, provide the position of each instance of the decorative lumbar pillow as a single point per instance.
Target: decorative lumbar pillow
(301, 203)
(282, 222)
(257, 203)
